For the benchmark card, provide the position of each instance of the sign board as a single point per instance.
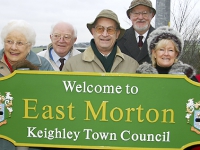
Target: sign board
(99, 110)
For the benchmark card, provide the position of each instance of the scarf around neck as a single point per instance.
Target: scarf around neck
(8, 63)
(107, 62)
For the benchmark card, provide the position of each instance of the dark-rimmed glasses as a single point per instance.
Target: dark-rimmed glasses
(145, 14)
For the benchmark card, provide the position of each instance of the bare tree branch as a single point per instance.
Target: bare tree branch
(187, 22)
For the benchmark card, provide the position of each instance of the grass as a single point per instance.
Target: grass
(37, 49)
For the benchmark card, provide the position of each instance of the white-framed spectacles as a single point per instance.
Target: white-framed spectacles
(57, 37)
(17, 43)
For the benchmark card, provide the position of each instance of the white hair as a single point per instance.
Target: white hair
(67, 23)
(22, 26)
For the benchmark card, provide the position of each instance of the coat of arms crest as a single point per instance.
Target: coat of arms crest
(5, 103)
(193, 109)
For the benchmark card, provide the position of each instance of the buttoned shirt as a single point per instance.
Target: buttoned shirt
(144, 36)
(56, 57)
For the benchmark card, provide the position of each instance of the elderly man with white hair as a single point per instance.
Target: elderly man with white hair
(63, 36)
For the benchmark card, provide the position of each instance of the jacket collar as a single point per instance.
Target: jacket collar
(177, 68)
(1, 54)
(88, 54)
(50, 47)
(34, 59)
(131, 41)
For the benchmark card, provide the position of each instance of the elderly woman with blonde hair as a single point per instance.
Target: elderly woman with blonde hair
(165, 46)
(18, 37)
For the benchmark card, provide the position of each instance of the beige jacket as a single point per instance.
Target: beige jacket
(88, 62)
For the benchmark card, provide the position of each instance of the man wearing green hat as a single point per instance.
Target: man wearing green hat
(103, 55)
(134, 41)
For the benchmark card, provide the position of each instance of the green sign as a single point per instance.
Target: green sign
(99, 110)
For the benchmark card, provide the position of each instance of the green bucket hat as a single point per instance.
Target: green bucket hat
(135, 3)
(110, 15)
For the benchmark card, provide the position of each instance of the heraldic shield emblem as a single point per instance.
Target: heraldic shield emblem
(197, 119)
(1, 112)
(5, 107)
(193, 111)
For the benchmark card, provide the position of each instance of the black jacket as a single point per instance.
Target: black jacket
(128, 45)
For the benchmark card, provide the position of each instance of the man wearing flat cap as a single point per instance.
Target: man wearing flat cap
(103, 55)
(134, 41)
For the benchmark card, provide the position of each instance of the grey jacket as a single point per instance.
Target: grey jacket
(88, 62)
(177, 68)
(45, 54)
(39, 61)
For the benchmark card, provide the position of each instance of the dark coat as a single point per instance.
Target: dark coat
(128, 45)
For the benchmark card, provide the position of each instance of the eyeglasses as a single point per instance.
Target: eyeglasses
(57, 37)
(137, 14)
(17, 43)
(168, 51)
(110, 30)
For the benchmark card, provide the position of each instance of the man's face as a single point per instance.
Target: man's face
(105, 34)
(141, 17)
(62, 39)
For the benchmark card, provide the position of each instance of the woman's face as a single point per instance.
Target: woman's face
(165, 56)
(16, 47)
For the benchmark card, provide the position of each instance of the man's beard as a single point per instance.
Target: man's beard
(141, 28)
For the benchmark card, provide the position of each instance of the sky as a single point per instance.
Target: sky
(41, 14)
